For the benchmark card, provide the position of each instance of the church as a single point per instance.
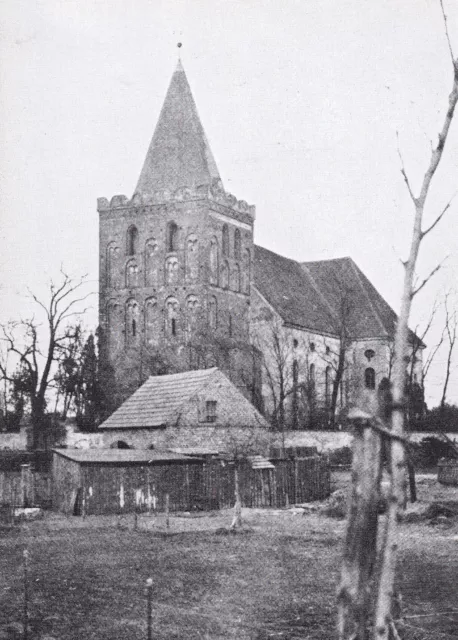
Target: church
(183, 287)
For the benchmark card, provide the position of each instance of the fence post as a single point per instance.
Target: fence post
(26, 485)
(26, 596)
(149, 607)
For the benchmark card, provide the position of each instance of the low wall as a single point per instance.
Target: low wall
(330, 440)
(16, 441)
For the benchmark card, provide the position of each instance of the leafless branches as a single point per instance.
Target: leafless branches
(362, 528)
(24, 339)
(450, 330)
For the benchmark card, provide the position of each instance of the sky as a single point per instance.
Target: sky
(304, 102)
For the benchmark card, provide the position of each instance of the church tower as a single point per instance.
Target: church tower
(175, 259)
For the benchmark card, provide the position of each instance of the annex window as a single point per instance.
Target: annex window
(369, 378)
(132, 240)
(172, 236)
(210, 411)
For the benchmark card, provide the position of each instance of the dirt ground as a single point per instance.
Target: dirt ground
(275, 580)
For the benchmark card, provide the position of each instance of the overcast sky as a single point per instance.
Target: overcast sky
(301, 101)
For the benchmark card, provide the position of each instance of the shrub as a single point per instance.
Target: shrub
(429, 451)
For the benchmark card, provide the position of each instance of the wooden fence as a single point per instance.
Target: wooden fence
(205, 486)
(289, 482)
(25, 488)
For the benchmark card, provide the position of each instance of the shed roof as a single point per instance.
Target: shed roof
(158, 401)
(122, 456)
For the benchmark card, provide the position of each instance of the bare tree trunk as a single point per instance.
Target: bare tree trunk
(354, 596)
(397, 464)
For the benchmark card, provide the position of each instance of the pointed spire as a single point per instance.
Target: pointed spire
(179, 154)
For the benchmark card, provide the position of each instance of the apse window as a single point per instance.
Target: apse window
(210, 407)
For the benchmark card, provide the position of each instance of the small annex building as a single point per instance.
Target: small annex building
(115, 481)
(196, 410)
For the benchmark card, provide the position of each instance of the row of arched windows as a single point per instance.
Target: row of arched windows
(237, 243)
(172, 319)
(151, 265)
(132, 243)
(236, 278)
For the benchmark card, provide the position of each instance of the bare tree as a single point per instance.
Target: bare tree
(337, 358)
(451, 325)
(385, 421)
(37, 348)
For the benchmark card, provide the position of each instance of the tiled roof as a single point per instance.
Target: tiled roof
(179, 154)
(121, 456)
(289, 289)
(310, 295)
(158, 401)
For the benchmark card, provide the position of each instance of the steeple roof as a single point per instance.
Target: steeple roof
(179, 154)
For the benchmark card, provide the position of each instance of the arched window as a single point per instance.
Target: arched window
(151, 263)
(369, 378)
(192, 258)
(224, 279)
(172, 308)
(151, 321)
(120, 444)
(212, 313)
(113, 263)
(214, 266)
(131, 274)
(327, 387)
(230, 325)
(225, 244)
(172, 236)
(192, 308)
(236, 278)
(312, 375)
(171, 270)
(132, 314)
(132, 240)
(114, 323)
(237, 245)
(246, 271)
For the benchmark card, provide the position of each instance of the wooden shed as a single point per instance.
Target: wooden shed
(115, 481)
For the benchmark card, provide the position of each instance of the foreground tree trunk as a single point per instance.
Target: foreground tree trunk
(357, 588)
(354, 596)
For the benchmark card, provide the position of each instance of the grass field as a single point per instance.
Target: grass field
(276, 580)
